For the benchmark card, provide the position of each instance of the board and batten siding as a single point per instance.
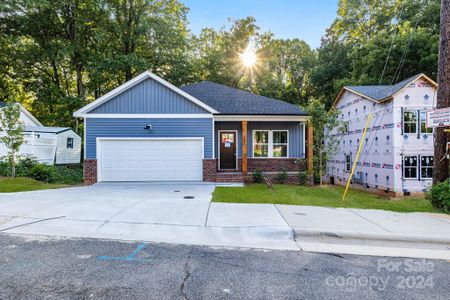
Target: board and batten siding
(149, 97)
(161, 128)
(295, 129)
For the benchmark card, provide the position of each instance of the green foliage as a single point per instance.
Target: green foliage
(281, 177)
(302, 178)
(12, 128)
(42, 172)
(439, 195)
(56, 56)
(27, 167)
(323, 121)
(257, 176)
(68, 175)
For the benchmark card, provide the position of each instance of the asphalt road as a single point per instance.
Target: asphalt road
(40, 268)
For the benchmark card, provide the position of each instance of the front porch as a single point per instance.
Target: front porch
(271, 144)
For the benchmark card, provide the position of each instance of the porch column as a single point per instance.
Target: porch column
(309, 155)
(244, 147)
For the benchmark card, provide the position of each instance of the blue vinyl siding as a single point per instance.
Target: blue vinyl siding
(295, 135)
(149, 97)
(129, 128)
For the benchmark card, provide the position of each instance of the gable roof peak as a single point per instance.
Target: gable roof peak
(379, 93)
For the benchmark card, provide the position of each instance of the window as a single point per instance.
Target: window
(270, 143)
(280, 143)
(409, 121)
(348, 163)
(426, 166)
(423, 123)
(261, 144)
(410, 167)
(70, 143)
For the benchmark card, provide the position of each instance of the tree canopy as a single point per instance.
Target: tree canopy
(57, 55)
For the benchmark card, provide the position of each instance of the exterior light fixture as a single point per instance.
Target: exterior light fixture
(148, 127)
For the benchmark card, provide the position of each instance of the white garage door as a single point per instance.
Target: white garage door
(150, 159)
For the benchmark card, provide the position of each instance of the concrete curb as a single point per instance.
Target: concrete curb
(394, 237)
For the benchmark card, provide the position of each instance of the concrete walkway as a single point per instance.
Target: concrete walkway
(367, 231)
(183, 213)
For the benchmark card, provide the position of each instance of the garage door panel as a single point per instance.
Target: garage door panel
(150, 160)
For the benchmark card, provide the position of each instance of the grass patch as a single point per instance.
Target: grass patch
(328, 196)
(21, 184)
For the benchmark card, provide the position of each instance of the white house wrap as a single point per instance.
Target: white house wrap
(397, 153)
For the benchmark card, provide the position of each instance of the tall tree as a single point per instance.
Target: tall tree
(287, 69)
(12, 128)
(441, 162)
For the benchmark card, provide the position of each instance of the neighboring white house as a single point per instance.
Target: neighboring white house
(49, 145)
(397, 152)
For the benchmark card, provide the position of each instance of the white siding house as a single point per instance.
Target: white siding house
(49, 145)
(397, 152)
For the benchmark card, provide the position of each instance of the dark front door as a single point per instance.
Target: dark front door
(227, 150)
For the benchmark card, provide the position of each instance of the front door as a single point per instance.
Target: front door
(227, 150)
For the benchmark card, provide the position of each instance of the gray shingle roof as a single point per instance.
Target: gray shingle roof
(2, 104)
(380, 92)
(230, 101)
(46, 129)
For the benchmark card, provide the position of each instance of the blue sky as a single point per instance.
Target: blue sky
(303, 19)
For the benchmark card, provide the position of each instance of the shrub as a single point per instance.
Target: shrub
(258, 176)
(43, 173)
(68, 175)
(24, 166)
(302, 178)
(439, 195)
(4, 168)
(281, 177)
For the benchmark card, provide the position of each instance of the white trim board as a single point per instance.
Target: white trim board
(136, 80)
(148, 116)
(263, 118)
(270, 143)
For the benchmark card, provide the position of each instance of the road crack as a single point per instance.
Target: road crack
(187, 274)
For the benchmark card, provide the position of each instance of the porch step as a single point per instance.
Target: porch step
(229, 177)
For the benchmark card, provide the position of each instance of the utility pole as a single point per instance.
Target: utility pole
(441, 172)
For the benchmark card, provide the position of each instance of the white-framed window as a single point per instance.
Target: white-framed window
(426, 167)
(69, 143)
(348, 163)
(423, 124)
(410, 121)
(410, 165)
(270, 143)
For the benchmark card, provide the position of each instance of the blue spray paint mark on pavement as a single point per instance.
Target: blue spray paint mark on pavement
(130, 257)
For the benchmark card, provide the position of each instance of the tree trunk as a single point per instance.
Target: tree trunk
(441, 171)
(320, 168)
(13, 165)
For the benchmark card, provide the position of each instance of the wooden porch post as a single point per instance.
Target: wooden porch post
(244, 147)
(309, 155)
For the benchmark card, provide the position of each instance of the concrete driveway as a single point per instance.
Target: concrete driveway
(161, 212)
(171, 203)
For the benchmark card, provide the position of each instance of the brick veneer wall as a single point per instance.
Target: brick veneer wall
(209, 170)
(276, 164)
(90, 171)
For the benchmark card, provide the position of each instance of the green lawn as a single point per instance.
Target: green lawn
(21, 184)
(329, 196)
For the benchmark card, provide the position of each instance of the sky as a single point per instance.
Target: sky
(303, 19)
